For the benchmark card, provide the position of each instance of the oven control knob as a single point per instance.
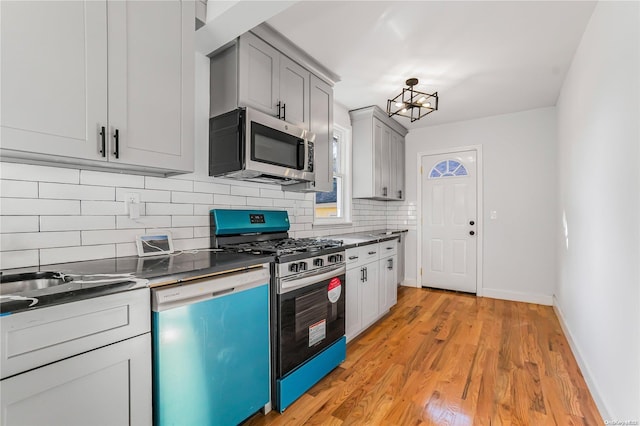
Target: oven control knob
(333, 258)
(302, 266)
(339, 258)
(293, 267)
(318, 262)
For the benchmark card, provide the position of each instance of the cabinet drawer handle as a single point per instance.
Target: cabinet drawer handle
(278, 105)
(284, 111)
(366, 274)
(384, 191)
(362, 274)
(353, 257)
(400, 194)
(372, 252)
(116, 138)
(389, 248)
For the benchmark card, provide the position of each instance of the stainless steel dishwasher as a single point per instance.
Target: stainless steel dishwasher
(211, 349)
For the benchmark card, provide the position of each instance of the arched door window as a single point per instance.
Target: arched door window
(447, 168)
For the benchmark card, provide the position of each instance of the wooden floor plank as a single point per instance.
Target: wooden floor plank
(444, 358)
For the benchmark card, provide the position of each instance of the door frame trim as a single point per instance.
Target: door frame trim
(479, 207)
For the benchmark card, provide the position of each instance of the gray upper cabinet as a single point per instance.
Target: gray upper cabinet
(378, 155)
(96, 84)
(263, 79)
(263, 70)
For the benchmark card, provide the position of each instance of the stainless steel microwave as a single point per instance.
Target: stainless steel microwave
(249, 145)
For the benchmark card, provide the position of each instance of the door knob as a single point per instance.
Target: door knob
(472, 233)
(472, 223)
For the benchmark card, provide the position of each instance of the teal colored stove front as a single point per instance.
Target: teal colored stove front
(211, 360)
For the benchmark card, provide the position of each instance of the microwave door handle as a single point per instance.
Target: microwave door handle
(242, 141)
(301, 155)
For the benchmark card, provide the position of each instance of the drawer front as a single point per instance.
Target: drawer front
(388, 248)
(358, 256)
(34, 338)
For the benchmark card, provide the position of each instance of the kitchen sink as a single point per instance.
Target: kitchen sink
(20, 283)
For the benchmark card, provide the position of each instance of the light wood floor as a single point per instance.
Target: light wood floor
(442, 358)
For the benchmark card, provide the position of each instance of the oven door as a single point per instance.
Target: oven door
(310, 319)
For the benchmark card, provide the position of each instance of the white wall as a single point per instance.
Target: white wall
(599, 138)
(519, 183)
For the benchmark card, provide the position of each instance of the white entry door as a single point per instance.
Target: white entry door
(449, 221)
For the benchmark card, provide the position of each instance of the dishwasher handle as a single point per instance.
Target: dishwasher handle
(189, 292)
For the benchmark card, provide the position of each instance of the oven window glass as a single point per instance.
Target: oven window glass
(274, 147)
(308, 322)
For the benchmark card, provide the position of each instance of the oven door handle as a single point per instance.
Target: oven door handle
(289, 284)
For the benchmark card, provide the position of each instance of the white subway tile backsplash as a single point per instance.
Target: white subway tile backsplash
(259, 202)
(27, 206)
(271, 193)
(191, 197)
(90, 238)
(194, 244)
(176, 233)
(146, 195)
(38, 173)
(37, 240)
(211, 188)
(90, 177)
(62, 215)
(245, 190)
(10, 224)
(169, 208)
(63, 191)
(230, 200)
(91, 208)
(201, 231)
(76, 254)
(123, 222)
(168, 184)
(18, 189)
(19, 259)
(178, 221)
(76, 223)
(126, 249)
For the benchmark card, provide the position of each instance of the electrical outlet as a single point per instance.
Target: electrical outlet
(132, 205)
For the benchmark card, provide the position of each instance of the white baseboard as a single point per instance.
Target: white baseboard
(584, 369)
(540, 299)
(409, 282)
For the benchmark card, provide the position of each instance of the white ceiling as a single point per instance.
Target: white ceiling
(483, 58)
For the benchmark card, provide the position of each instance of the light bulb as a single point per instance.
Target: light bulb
(399, 104)
(404, 110)
(428, 105)
(421, 100)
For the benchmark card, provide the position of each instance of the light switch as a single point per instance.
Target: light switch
(494, 214)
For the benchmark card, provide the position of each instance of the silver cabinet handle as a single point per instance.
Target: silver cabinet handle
(353, 257)
(372, 252)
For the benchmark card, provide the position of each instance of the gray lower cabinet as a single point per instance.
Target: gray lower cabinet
(78, 363)
(388, 274)
(107, 386)
(95, 84)
(378, 155)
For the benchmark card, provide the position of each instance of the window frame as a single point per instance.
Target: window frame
(344, 137)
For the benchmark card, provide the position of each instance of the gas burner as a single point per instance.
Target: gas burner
(285, 246)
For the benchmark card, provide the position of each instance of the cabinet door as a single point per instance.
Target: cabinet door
(353, 306)
(370, 294)
(321, 124)
(259, 74)
(107, 386)
(381, 170)
(151, 83)
(294, 93)
(398, 166)
(388, 282)
(53, 77)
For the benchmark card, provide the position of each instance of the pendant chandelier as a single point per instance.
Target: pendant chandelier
(412, 104)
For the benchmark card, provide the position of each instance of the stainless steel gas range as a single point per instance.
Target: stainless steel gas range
(307, 296)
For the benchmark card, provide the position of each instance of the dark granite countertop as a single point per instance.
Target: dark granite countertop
(358, 239)
(95, 278)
